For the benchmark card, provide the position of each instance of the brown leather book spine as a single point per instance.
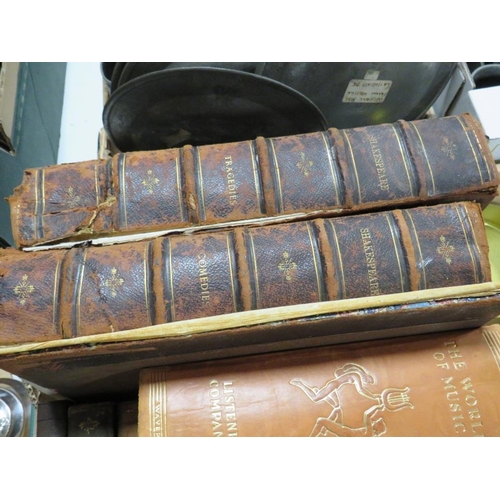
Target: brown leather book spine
(364, 255)
(322, 173)
(127, 418)
(102, 289)
(405, 250)
(284, 265)
(200, 276)
(30, 296)
(52, 419)
(149, 187)
(107, 289)
(74, 198)
(92, 420)
(427, 385)
(228, 183)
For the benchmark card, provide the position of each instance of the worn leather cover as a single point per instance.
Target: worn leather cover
(54, 294)
(334, 172)
(431, 385)
(127, 414)
(112, 368)
(92, 420)
(52, 419)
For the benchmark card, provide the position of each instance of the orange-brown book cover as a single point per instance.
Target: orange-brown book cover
(444, 384)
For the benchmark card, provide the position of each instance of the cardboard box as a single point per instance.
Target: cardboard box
(8, 92)
(463, 96)
(486, 107)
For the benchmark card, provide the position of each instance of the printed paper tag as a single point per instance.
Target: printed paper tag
(367, 91)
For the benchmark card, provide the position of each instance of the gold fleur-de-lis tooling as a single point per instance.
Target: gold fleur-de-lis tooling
(150, 182)
(304, 164)
(23, 289)
(72, 198)
(449, 148)
(287, 266)
(445, 249)
(114, 282)
(88, 425)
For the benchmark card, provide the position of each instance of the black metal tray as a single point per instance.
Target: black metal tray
(358, 94)
(175, 107)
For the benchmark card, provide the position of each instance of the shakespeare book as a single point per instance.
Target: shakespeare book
(264, 181)
(92, 290)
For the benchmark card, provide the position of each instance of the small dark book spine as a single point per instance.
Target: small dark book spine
(52, 419)
(92, 420)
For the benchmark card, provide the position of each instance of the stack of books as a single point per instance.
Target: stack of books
(329, 283)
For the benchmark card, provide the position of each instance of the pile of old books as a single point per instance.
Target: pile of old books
(342, 275)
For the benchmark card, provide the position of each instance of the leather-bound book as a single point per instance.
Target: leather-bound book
(127, 416)
(444, 384)
(330, 173)
(92, 420)
(61, 294)
(52, 419)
